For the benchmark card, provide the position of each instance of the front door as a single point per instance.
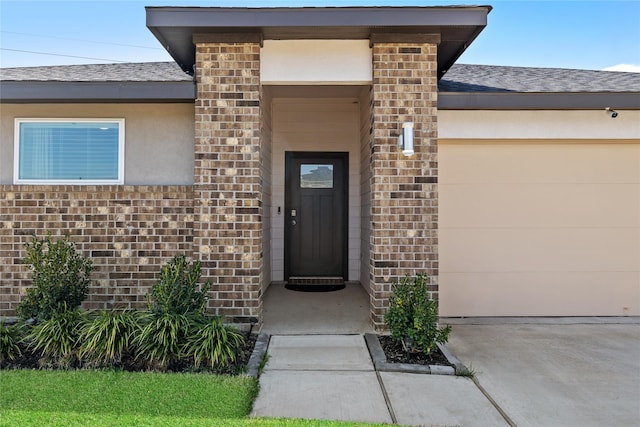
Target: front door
(316, 214)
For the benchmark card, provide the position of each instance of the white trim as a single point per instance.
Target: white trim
(16, 152)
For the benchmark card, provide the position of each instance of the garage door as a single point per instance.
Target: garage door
(539, 229)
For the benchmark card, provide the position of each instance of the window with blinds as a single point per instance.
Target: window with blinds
(85, 151)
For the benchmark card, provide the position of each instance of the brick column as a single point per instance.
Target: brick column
(227, 186)
(404, 194)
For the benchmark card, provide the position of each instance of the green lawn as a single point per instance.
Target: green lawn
(107, 398)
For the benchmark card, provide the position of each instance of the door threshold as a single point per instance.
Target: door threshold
(315, 280)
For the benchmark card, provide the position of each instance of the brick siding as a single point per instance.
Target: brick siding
(131, 231)
(228, 187)
(128, 232)
(404, 194)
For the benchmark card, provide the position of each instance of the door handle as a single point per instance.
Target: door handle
(293, 222)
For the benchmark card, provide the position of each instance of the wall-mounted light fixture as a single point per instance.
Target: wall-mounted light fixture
(610, 111)
(405, 140)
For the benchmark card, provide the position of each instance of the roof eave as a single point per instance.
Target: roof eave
(98, 92)
(458, 26)
(538, 100)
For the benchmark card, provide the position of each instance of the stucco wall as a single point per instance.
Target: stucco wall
(158, 137)
(539, 227)
(315, 125)
(322, 62)
(538, 124)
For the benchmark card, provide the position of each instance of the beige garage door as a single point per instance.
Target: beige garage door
(530, 229)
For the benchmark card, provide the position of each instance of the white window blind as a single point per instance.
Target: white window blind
(69, 151)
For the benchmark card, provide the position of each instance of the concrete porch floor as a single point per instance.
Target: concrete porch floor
(289, 312)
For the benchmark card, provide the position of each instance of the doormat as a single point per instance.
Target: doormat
(314, 288)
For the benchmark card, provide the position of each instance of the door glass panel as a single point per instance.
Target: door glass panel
(316, 176)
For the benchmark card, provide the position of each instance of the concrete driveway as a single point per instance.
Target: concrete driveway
(555, 372)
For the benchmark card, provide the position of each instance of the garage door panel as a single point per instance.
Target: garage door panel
(529, 228)
(540, 294)
(539, 205)
(539, 163)
(539, 249)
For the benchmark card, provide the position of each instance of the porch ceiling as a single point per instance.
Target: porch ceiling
(456, 26)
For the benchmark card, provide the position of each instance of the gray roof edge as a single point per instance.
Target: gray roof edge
(240, 17)
(538, 101)
(55, 91)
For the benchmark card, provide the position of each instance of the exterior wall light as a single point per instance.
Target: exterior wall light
(405, 140)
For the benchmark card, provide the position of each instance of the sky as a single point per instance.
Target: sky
(582, 34)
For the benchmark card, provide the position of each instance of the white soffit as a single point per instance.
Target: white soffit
(316, 62)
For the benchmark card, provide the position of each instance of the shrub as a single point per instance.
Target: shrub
(413, 317)
(176, 327)
(177, 290)
(57, 338)
(61, 278)
(214, 344)
(9, 338)
(105, 338)
(161, 339)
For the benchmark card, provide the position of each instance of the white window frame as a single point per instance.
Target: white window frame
(16, 152)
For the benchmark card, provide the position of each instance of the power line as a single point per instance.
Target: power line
(80, 40)
(59, 54)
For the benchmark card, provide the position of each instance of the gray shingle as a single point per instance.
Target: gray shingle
(463, 78)
(129, 72)
(493, 78)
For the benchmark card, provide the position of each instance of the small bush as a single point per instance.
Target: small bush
(175, 309)
(177, 291)
(214, 344)
(9, 339)
(61, 278)
(108, 336)
(162, 337)
(57, 339)
(413, 317)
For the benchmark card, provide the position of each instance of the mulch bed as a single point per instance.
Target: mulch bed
(29, 360)
(395, 353)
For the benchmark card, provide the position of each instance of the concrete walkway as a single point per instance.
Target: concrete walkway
(299, 313)
(331, 377)
(556, 372)
(538, 372)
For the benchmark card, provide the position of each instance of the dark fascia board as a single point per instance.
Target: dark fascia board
(174, 27)
(309, 17)
(51, 91)
(538, 101)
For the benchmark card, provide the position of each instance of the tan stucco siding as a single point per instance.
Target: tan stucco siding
(158, 137)
(539, 227)
(538, 124)
(322, 62)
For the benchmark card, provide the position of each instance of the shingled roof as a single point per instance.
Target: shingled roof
(494, 78)
(463, 87)
(124, 72)
(459, 78)
(124, 82)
